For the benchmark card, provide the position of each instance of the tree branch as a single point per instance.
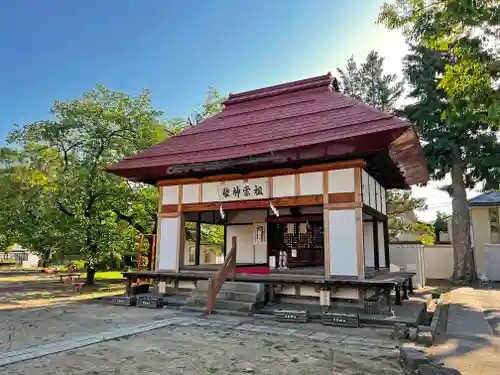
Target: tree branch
(64, 209)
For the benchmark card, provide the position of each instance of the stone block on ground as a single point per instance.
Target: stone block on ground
(123, 300)
(412, 333)
(425, 329)
(432, 369)
(298, 316)
(152, 302)
(412, 358)
(425, 338)
(400, 331)
(340, 319)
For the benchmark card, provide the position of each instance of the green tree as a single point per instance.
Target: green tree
(371, 85)
(88, 211)
(440, 224)
(213, 104)
(400, 203)
(452, 68)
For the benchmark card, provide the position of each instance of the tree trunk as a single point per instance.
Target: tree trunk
(90, 275)
(464, 269)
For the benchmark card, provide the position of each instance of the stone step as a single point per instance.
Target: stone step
(222, 304)
(234, 286)
(204, 309)
(231, 296)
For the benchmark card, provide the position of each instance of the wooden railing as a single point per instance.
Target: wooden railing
(227, 268)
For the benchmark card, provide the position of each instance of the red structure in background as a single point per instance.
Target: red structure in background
(153, 250)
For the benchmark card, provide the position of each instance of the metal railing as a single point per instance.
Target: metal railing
(227, 268)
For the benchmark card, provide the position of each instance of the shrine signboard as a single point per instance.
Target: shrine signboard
(240, 191)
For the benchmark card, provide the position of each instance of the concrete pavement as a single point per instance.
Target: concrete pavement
(471, 343)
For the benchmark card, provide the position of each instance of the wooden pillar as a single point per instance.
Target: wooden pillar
(375, 244)
(198, 241)
(326, 229)
(386, 244)
(358, 199)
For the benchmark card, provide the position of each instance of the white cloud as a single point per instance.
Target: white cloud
(436, 199)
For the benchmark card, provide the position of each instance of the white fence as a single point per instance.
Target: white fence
(436, 261)
(427, 261)
(492, 258)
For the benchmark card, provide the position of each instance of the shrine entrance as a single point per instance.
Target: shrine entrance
(300, 237)
(262, 234)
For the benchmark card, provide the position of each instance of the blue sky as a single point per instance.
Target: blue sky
(57, 49)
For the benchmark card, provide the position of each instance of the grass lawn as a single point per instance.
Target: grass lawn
(106, 275)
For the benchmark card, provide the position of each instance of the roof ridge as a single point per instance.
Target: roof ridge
(279, 89)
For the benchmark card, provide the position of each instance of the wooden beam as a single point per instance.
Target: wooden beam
(179, 207)
(295, 219)
(169, 214)
(308, 200)
(334, 201)
(342, 206)
(160, 198)
(198, 241)
(374, 213)
(356, 163)
(200, 193)
(357, 185)
(270, 186)
(297, 184)
(386, 243)
(340, 198)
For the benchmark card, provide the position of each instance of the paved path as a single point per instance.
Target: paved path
(314, 332)
(472, 340)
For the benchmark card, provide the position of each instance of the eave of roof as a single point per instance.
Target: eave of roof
(284, 120)
(488, 198)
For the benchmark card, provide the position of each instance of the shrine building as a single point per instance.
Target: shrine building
(298, 174)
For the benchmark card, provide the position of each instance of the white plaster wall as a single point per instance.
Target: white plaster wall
(368, 243)
(311, 183)
(168, 243)
(380, 198)
(246, 217)
(342, 237)
(191, 193)
(384, 202)
(260, 253)
(210, 192)
(183, 284)
(438, 260)
(492, 260)
(284, 186)
(244, 242)
(373, 187)
(381, 245)
(32, 261)
(364, 187)
(341, 181)
(170, 195)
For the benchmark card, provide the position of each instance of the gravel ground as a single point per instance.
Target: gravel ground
(200, 350)
(24, 328)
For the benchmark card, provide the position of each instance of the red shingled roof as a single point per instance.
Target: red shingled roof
(284, 117)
